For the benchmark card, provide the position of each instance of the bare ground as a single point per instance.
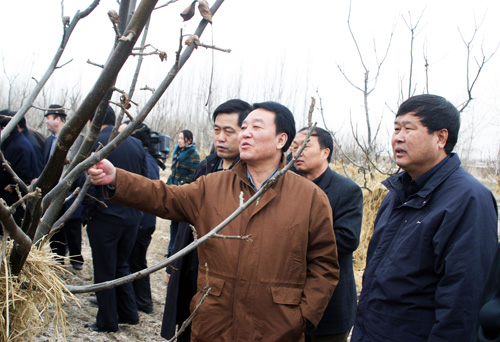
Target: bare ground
(148, 330)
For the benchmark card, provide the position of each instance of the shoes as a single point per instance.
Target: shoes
(130, 322)
(77, 266)
(94, 327)
(93, 301)
(147, 310)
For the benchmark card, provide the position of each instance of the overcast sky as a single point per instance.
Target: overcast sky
(300, 43)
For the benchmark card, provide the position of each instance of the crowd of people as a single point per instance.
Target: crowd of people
(432, 269)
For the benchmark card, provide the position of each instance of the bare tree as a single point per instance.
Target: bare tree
(42, 208)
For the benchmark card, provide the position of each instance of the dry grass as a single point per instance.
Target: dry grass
(31, 302)
(373, 195)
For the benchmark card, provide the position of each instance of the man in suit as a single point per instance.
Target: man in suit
(55, 118)
(69, 237)
(112, 231)
(346, 200)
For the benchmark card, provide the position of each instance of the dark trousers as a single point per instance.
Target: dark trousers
(111, 246)
(138, 261)
(174, 227)
(68, 239)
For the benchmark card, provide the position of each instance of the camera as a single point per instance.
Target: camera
(160, 146)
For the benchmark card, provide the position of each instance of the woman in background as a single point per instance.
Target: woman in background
(185, 159)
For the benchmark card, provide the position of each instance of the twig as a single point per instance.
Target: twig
(95, 64)
(122, 107)
(29, 195)
(146, 87)
(165, 5)
(97, 200)
(206, 290)
(60, 66)
(10, 171)
(123, 92)
(234, 237)
(214, 47)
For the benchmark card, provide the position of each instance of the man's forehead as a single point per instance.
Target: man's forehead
(407, 118)
(260, 114)
(226, 119)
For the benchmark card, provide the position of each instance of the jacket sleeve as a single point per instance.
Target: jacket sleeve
(178, 203)
(347, 219)
(465, 244)
(322, 263)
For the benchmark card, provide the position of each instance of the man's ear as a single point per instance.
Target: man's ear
(325, 152)
(442, 136)
(282, 139)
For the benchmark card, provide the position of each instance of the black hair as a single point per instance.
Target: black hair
(109, 119)
(143, 133)
(285, 123)
(233, 106)
(188, 135)
(6, 112)
(325, 139)
(435, 113)
(4, 120)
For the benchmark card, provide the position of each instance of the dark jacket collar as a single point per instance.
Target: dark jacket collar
(325, 179)
(444, 170)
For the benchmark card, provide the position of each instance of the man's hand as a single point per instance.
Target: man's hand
(103, 173)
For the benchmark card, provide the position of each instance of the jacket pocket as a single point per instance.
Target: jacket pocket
(286, 295)
(287, 314)
(216, 285)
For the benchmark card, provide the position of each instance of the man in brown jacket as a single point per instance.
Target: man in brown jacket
(266, 290)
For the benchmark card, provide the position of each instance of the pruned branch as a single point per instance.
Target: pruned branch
(23, 242)
(234, 237)
(206, 290)
(95, 64)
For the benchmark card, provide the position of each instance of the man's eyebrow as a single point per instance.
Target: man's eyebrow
(256, 119)
(403, 122)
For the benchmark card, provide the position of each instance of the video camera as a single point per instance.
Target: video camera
(160, 147)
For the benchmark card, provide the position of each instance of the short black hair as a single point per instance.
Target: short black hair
(4, 120)
(285, 123)
(143, 133)
(6, 112)
(109, 119)
(325, 139)
(188, 135)
(435, 113)
(233, 106)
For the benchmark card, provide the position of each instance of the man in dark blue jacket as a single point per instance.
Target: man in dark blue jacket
(36, 141)
(434, 239)
(346, 200)
(112, 231)
(227, 119)
(137, 259)
(18, 151)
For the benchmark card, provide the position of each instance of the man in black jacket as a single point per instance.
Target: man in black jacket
(20, 154)
(346, 200)
(227, 119)
(112, 231)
